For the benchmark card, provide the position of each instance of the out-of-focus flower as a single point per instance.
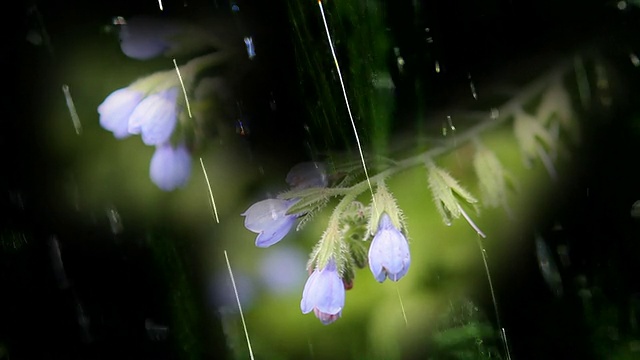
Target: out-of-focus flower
(308, 175)
(324, 294)
(389, 252)
(223, 295)
(170, 167)
(116, 110)
(146, 37)
(268, 219)
(275, 269)
(155, 117)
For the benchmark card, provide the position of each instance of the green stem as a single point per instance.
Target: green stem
(505, 112)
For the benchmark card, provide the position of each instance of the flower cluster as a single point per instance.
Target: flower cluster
(154, 107)
(342, 247)
(153, 116)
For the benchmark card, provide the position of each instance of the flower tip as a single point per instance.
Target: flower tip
(325, 318)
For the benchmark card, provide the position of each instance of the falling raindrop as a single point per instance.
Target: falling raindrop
(450, 122)
(56, 263)
(39, 34)
(114, 219)
(399, 59)
(548, 267)
(12, 240)
(635, 210)
(272, 102)
(429, 39)
(251, 50)
(634, 59)
(437, 67)
(602, 83)
(34, 37)
(563, 253)
(473, 88)
(448, 126)
(83, 321)
(242, 128)
(16, 198)
(156, 332)
(72, 109)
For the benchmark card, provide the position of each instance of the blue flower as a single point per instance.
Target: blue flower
(268, 219)
(308, 175)
(389, 252)
(155, 117)
(170, 167)
(116, 109)
(145, 37)
(324, 294)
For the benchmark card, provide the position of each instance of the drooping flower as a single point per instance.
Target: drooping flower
(308, 175)
(146, 37)
(389, 252)
(324, 293)
(155, 117)
(116, 110)
(269, 220)
(170, 167)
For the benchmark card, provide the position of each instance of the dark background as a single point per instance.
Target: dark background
(117, 285)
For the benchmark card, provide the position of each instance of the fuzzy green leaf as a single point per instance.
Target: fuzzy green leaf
(308, 203)
(446, 191)
(529, 132)
(491, 176)
(294, 194)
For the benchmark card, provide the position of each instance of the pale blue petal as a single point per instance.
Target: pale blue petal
(116, 110)
(263, 214)
(385, 222)
(275, 232)
(376, 255)
(331, 300)
(156, 117)
(309, 294)
(170, 167)
(389, 254)
(324, 292)
(396, 248)
(400, 274)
